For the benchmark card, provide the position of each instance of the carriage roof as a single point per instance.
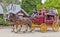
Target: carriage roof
(52, 12)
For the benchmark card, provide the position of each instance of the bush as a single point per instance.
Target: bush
(6, 23)
(2, 22)
(1, 16)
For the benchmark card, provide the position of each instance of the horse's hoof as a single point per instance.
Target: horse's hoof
(16, 32)
(24, 31)
(19, 30)
(30, 31)
(12, 31)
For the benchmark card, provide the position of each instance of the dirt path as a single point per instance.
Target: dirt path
(6, 32)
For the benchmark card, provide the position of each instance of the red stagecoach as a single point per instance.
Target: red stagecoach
(45, 20)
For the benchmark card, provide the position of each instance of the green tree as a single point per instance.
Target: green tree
(29, 5)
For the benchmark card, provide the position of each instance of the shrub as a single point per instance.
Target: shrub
(2, 22)
(1, 16)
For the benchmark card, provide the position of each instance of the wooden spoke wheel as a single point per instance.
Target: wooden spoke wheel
(55, 26)
(43, 27)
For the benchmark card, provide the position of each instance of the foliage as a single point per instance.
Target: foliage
(1, 16)
(29, 5)
(2, 22)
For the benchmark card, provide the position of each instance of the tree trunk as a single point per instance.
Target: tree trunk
(4, 10)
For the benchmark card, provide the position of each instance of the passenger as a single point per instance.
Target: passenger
(49, 17)
(43, 10)
(34, 14)
(53, 11)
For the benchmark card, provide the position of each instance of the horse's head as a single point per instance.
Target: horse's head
(12, 16)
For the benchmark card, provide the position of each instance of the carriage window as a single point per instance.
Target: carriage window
(49, 17)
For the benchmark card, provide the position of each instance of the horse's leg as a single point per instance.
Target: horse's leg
(32, 29)
(30, 26)
(26, 28)
(19, 28)
(12, 28)
(16, 29)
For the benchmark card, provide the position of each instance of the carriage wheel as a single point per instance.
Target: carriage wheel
(43, 27)
(55, 26)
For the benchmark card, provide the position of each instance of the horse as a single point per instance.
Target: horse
(18, 21)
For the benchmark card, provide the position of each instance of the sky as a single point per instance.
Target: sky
(43, 1)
